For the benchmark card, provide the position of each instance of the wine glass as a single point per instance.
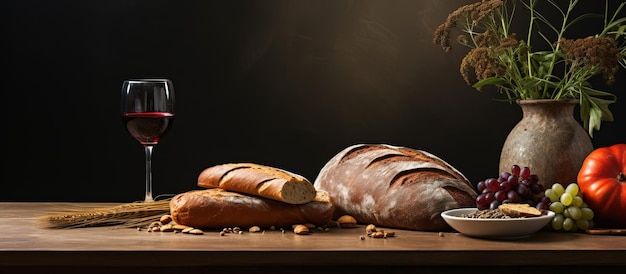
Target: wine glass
(148, 114)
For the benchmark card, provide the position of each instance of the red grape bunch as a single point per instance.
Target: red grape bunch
(517, 186)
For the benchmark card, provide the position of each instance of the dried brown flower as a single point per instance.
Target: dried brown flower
(521, 71)
(599, 52)
(475, 13)
(483, 62)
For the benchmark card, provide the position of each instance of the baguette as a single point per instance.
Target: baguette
(259, 180)
(394, 187)
(219, 208)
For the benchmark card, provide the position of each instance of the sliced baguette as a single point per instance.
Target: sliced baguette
(259, 180)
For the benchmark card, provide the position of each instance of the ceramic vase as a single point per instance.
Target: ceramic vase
(548, 140)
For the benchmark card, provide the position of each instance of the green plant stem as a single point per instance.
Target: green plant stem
(570, 7)
(531, 5)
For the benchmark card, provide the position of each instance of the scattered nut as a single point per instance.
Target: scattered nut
(167, 228)
(254, 229)
(378, 234)
(222, 233)
(362, 237)
(178, 227)
(166, 219)
(370, 228)
(346, 221)
(301, 230)
(165, 224)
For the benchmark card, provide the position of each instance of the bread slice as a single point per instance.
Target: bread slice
(519, 210)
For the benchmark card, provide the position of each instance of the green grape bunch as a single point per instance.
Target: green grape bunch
(572, 214)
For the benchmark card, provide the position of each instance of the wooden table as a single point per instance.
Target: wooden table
(24, 245)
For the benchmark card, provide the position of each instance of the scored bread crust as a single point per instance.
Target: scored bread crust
(260, 180)
(394, 186)
(219, 208)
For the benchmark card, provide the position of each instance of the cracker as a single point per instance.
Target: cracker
(519, 210)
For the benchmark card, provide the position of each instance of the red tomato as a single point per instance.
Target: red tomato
(602, 181)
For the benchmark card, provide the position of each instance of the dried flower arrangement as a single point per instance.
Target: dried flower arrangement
(522, 70)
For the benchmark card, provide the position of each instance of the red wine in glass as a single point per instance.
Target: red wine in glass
(148, 127)
(148, 114)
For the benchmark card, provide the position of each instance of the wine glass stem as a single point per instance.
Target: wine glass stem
(148, 150)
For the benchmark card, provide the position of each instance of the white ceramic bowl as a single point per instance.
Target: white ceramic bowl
(494, 228)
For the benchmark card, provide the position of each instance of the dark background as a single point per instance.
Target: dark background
(281, 83)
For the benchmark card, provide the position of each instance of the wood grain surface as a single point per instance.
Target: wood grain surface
(23, 243)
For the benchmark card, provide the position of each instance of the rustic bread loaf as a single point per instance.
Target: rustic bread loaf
(260, 180)
(394, 186)
(219, 208)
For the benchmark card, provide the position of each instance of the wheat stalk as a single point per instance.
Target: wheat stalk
(136, 214)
